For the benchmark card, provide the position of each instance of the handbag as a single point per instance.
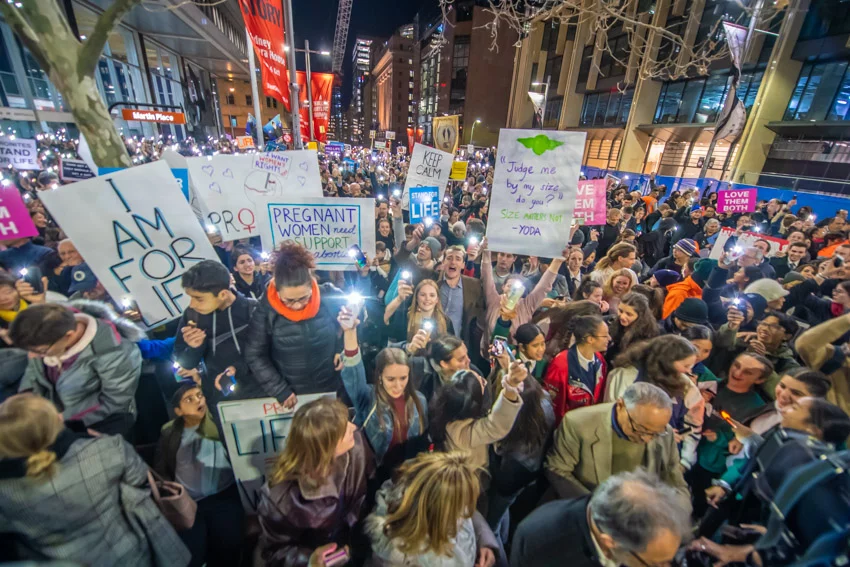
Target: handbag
(173, 500)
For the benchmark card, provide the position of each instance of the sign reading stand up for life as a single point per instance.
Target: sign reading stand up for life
(137, 234)
(534, 191)
(327, 227)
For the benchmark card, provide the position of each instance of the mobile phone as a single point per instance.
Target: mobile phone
(228, 385)
(473, 240)
(505, 347)
(685, 430)
(838, 261)
(357, 254)
(427, 325)
(405, 276)
(335, 557)
(396, 192)
(497, 348)
(33, 277)
(514, 295)
(428, 222)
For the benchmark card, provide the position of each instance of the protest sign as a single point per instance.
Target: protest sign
(180, 174)
(592, 203)
(15, 219)
(255, 433)
(245, 142)
(20, 154)
(428, 168)
(737, 201)
(231, 186)
(74, 170)
(327, 227)
(459, 170)
(534, 191)
(424, 203)
(746, 240)
(177, 163)
(136, 234)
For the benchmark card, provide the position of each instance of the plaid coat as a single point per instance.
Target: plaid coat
(80, 515)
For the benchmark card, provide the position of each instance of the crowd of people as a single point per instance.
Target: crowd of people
(629, 402)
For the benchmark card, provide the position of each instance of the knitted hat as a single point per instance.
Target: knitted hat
(692, 310)
(757, 302)
(770, 290)
(793, 277)
(687, 246)
(434, 245)
(702, 269)
(666, 277)
(696, 207)
(459, 226)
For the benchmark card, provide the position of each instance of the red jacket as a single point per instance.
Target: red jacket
(570, 394)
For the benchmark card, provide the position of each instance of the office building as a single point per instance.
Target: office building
(394, 84)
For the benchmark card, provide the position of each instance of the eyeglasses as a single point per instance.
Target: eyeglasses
(299, 301)
(193, 398)
(771, 326)
(645, 563)
(643, 432)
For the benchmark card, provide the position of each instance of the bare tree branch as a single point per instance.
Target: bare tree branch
(93, 46)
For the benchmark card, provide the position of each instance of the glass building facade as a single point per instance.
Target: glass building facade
(822, 93)
(699, 100)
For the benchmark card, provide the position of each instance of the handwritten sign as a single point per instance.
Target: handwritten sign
(180, 169)
(424, 203)
(255, 433)
(245, 142)
(591, 204)
(20, 154)
(428, 168)
(534, 191)
(327, 227)
(15, 219)
(136, 233)
(231, 186)
(746, 240)
(74, 170)
(737, 201)
(459, 170)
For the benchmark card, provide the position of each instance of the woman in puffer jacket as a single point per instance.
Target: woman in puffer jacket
(444, 487)
(294, 337)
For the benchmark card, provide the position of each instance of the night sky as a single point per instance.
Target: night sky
(315, 20)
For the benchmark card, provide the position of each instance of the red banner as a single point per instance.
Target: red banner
(411, 139)
(264, 21)
(322, 85)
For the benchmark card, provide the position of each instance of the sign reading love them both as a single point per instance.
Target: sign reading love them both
(534, 191)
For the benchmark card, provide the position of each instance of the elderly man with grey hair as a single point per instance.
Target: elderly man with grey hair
(633, 519)
(596, 442)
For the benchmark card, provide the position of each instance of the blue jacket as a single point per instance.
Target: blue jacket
(378, 426)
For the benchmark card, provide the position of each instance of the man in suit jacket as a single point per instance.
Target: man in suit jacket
(462, 297)
(632, 519)
(596, 442)
(793, 258)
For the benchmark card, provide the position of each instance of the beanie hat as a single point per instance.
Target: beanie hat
(793, 277)
(702, 269)
(696, 207)
(434, 245)
(758, 303)
(459, 226)
(687, 246)
(666, 277)
(770, 290)
(692, 310)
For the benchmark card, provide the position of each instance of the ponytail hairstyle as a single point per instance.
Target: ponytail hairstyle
(293, 265)
(619, 250)
(29, 425)
(560, 323)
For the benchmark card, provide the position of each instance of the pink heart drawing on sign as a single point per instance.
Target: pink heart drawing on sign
(303, 165)
(302, 180)
(215, 187)
(227, 173)
(208, 169)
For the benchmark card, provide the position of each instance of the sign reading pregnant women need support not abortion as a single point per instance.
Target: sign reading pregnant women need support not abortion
(327, 227)
(534, 191)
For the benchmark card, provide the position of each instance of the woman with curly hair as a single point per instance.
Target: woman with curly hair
(633, 322)
(556, 323)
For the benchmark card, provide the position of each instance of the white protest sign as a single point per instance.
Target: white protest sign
(327, 227)
(255, 433)
(746, 240)
(20, 154)
(231, 186)
(137, 234)
(428, 168)
(178, 161)
(534, 191)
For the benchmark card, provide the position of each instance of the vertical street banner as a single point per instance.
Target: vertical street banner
(591, 202)
(232, 187)
(429, 167)
(322, 86)
(137, 234)
(446, 137)
(255, 433)
(15, 219)
(534, 191)
(733, 116)
(264, 22)
(413, 137)
(326, 226)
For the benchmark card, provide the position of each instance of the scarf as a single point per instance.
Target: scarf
(10, 314)
(309, 311)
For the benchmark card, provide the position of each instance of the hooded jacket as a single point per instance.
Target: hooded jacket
(678, 292)
(101, 379)
(818, 353)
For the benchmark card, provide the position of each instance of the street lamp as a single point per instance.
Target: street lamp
(545, 97)
(472, 132)
(307, 51)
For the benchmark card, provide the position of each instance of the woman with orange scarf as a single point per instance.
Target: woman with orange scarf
(294, 335)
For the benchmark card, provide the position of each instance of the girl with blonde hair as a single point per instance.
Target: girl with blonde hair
(426, 306)
(315, 493)
(52, 514)
(427, 516)
(618, 284)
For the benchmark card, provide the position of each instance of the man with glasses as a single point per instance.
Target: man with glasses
(596, 442)
(633, 519)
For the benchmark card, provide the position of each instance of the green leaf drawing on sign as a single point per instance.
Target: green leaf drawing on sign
(540, 143)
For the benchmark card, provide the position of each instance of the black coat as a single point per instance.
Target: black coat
(555, 534)
(296, 357)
